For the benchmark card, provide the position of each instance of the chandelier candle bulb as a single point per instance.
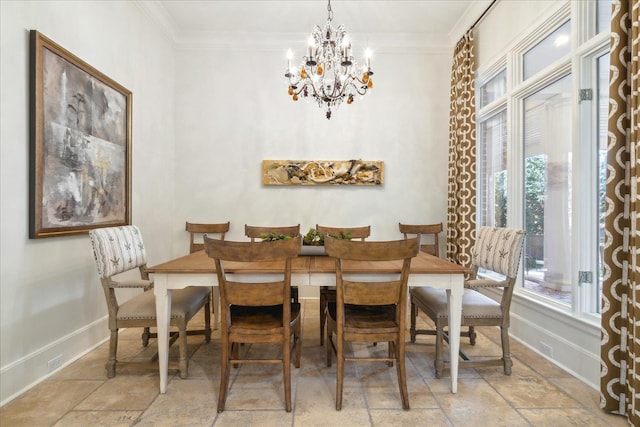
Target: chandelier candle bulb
(329, 75)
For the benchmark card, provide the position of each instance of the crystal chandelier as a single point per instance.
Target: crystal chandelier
(329, 73)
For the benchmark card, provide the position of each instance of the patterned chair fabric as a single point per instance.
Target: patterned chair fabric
(498, 249)
(117, 249)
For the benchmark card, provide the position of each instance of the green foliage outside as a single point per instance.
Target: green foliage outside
(535, 187)
(500, 182)
(535, 190)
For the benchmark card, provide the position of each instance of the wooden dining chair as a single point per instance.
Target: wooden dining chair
(328, 293)
(497, 251)
(432, 231)
(256, 233)
(120, 249)
(196, 232)
(369, 311)
(432, 247)
(257, 312)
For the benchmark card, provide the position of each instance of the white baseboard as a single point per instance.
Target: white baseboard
(26, 372)
(562, 352)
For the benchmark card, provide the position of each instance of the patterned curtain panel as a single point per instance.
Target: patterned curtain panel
(620, 349)
(461, 209)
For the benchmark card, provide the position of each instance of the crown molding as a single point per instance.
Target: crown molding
(396, 43)
(467, 19)
(380, 43)
(159, 15)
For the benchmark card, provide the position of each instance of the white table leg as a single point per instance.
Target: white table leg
(163, 313)
(454, 296)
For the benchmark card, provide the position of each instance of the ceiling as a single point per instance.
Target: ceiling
(442, 19)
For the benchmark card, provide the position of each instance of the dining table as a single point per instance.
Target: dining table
(197, 269)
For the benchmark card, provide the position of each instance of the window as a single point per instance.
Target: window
(493, 89)
(542, 138)
(493, 160)
(546, 52)
(547, 190)
(603, 16)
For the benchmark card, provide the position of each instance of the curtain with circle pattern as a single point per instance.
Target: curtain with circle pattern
(620, 346)
(461, 208)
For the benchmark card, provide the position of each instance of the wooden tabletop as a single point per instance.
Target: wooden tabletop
(199, 263)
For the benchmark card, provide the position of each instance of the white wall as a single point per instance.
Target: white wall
(233, 111)
(51, 302)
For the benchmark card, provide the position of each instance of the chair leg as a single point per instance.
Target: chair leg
(286, 373)
(235, 353)
(472, 335)
(297, 344)
(402, 373)
(392, 353)
(184, 360)
(439, 363)
(339, 372)
(145, 337)
(113, 350)
(224, 374)
(215, 306)
(323, 315)
(329, 345)
(506, 352)
(207, 323)
(412, 329)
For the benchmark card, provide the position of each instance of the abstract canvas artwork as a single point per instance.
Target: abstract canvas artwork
(80, 144)
(322, 172)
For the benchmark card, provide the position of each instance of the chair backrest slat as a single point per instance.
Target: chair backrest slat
(256, 232)
(275, 250)
(371, 251)
(360, 233)
(371, 293)
(254, 294)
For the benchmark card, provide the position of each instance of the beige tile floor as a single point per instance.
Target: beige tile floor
(537, 393)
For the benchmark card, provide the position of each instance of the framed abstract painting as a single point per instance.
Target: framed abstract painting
(80, 144)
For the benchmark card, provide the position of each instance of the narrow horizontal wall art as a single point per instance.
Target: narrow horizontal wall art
(322, 172)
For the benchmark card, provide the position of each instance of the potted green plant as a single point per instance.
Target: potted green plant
(274, 236)
(313, 238)
(313, 242)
